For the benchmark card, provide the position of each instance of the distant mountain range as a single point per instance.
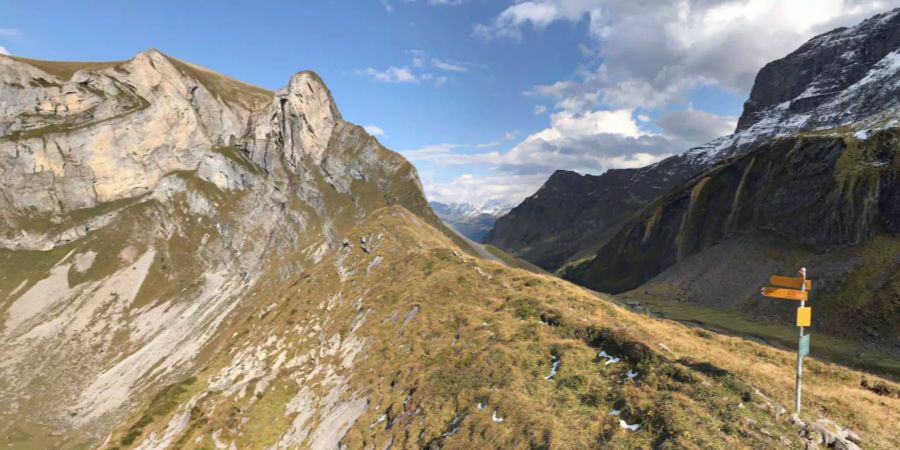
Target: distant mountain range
(809, 177)
(472, 221)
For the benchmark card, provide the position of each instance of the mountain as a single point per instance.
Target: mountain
(848, 76)
(472, 221)
(823, 194)
(189, 261)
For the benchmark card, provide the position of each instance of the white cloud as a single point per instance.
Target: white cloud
(3, 50)
(420, 60)
(387, 5)
(10, 32)
(641, 60)
(474, 189)
(649, 53)
(448, 65)
(587, 142)
(695, 126)
(390, 75)
(508, 24)
(374, 130)
(643, 55)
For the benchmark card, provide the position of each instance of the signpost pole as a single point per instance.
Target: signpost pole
(800, 348)
(791, 288)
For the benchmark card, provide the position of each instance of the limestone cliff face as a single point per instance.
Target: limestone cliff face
(141, 202)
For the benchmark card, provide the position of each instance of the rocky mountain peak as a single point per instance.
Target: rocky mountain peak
(823, 69)
(308, 116)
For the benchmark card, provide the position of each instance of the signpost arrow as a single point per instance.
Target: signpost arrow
(789, 294)
(790, 282)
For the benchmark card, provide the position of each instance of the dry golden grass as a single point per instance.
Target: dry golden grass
(65, 69)
(484, 332)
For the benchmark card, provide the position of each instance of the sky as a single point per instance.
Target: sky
(486, 97)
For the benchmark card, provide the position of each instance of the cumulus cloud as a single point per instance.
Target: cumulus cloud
(693, 126)
(592, 142)
(469, 188)
(538, 14)
(587, 142)
(3, 50)
(643, 58)
(374, 130)
(649, 53)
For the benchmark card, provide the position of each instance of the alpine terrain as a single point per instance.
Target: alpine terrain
(472, 221)
(189, 261)
(809, 178)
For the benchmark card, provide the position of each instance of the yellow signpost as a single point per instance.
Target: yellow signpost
(804, 316)
(788, 294)
(795, 288)
(790, 282)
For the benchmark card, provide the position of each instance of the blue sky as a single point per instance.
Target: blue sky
(486, 97)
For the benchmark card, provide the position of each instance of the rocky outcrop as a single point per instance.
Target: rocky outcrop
(572, 215)
(141, 203)
(847, 72)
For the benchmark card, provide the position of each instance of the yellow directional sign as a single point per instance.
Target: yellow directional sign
(804, 316)
(789, 294)
(790, 282)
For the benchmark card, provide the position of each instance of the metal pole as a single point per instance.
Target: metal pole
(799, 344)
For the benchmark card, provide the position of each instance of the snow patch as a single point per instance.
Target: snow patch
(554, 367)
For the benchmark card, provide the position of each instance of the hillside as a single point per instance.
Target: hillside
(358, 351)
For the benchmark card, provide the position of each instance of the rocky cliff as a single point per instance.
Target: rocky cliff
(825, 193)
(572, 215)
(825, 197)
(847, 77)
(141, 201)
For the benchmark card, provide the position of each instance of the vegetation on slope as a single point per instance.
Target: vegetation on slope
(451, 344)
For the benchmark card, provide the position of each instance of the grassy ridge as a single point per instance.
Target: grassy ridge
(445, 332)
